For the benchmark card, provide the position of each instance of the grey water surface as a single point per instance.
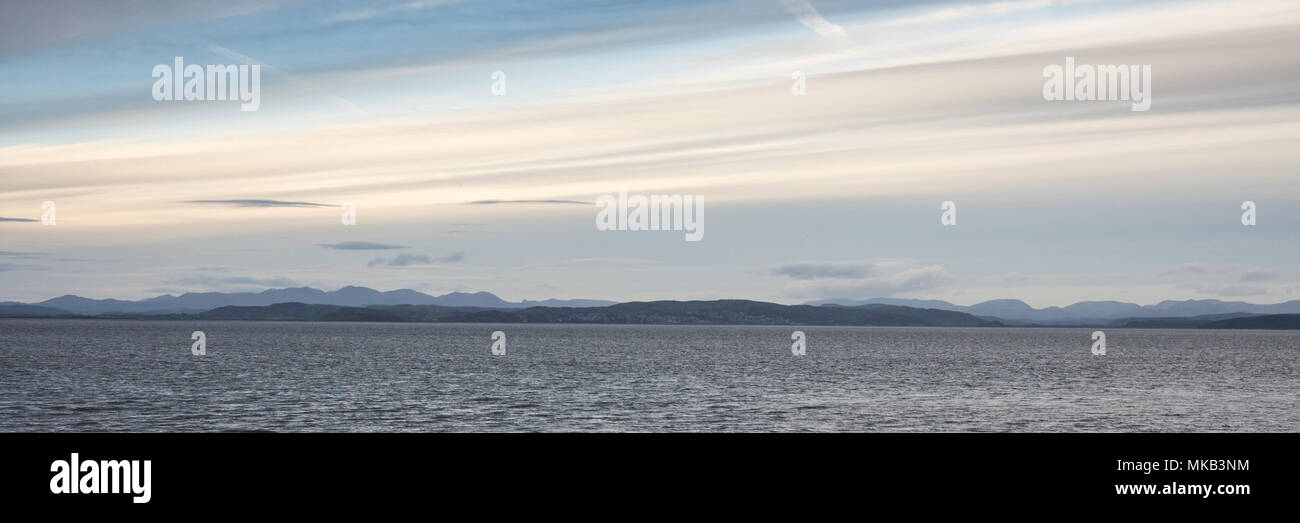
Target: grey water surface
(139, 376)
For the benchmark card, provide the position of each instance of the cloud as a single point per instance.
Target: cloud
(365, 14)
(810, 18)
(1224, 272)
(270, 282)
(4, 219)
(28, 26)
(1227, 280)
(360, 246)
(525, 202)
(20, 267)
(404, 260)
(611, 261)
(813, 271)
(965, 12)
(240, 57)
(19, 254)
(1188, 268)
(259, 203)
(874, 285)
(470, 228)
(910, 280)
(1253, 275)
(453, 257)
(1227, 290)
(211, 281)
(1014, 278)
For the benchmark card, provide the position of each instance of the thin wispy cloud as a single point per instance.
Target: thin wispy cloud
(807, 15)
(258, 203)
(22, 220)
(361, 246)
(1256, 275)
(1227, 290)
(26, 26)
(906, 282)
(1224, 272)
(366, 14)
(813, 271)
(287, 78)
(527, 202)
(453, 257)
(1188, 268)
(245, 59)
(612, 261)
(965, 12)
(1225, 280)
(210, 281)
(5, 267)
(405, 260)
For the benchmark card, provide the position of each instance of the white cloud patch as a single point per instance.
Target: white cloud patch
(406, 260)
(810, 18)
(827, 281)
(1225, 280)
(973, 11)
(814, 271)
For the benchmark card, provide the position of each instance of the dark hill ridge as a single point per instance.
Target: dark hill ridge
(19, 310)
(1086, 312)
(299, 312)
(483, 307)
(1191, 322)
(1268, 321)
(730, 312)
(1007, 311)
(1217, 321)
(721, 312)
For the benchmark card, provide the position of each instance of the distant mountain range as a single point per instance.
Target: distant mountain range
(192, 302)
(364, 304)
(1085, 312)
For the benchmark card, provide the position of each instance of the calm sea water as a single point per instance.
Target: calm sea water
(103, 375)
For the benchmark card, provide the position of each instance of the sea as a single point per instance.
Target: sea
(100, 375)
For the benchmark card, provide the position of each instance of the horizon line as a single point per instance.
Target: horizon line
(617, 301)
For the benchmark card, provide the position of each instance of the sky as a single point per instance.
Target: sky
(473, 139)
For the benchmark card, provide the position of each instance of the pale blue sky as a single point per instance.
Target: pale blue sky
(908, 104)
